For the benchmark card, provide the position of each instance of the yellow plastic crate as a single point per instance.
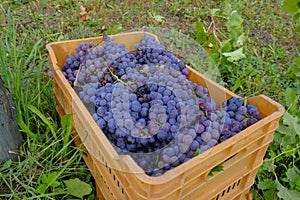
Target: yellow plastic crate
(119, 177)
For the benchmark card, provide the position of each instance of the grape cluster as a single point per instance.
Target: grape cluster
(149, 42)
(147, 107)
(147, 56)
(71, 66)
(95, 67)
(87, 94)
(241, 113)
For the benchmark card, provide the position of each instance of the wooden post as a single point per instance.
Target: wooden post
(10, 137)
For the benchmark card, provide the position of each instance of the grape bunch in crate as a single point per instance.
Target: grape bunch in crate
(146, 105)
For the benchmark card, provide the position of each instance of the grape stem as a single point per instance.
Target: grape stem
(158, 123)
(121, 81)
(144, 133)
(245, 101)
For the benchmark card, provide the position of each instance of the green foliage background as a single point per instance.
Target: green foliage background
(254, 45)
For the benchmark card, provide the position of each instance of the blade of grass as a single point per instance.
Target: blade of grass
(66, 124)
(24, 127)
(43, 118)
(6, 183)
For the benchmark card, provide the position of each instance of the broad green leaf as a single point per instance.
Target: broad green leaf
(269, 194)
(77, 188)
(41, 189)
(292, 122)
(234, 25)
(285, 136)
(226, 46)
(234, 55)
(234, 20)
(266, 184)
(241, 39)
(290, 96)
(297, 182)
(287, 194)
(44, 178)
(296, 16)
(200, 32)
(290, 6)
(50, 180)
(293, 173)
(268, 166)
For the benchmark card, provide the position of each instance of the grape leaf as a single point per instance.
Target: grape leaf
(290, 96)
(234, 55)
(77, 188)
(241, 39)
(269, 194)
(268, 166)
(287, 194)
(226, 46)
(292, 122)
(284, 137)
(234, 25)
(200, 32)
(266, 184)
(290, 6)
(292, 173)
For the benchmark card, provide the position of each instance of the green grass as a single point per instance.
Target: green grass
(27, 26)
(47, 148)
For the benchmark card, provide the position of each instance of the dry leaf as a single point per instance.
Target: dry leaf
(84, 14)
